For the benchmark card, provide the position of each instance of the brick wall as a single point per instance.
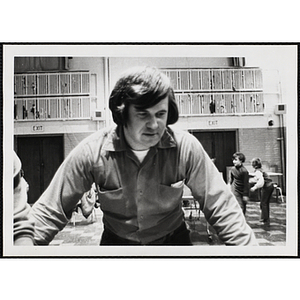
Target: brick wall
(262, 143)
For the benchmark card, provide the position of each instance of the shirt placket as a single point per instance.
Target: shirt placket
(141, 184)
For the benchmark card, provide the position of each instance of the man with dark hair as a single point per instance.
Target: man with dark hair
(140, 168)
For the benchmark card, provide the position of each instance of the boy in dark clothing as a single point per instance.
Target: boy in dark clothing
(239, 180)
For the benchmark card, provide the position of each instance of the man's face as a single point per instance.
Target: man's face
(145, 127)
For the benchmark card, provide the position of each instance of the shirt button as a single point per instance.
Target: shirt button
(142, 217)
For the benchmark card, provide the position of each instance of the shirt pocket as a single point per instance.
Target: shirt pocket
(170, 196)
(112, 200)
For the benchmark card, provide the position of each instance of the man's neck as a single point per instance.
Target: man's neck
(140, 154)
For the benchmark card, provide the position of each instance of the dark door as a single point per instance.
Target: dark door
(41, 157)
(219, 145)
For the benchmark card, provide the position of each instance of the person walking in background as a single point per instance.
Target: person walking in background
(262, 180)
(140, 167)
(239, 180)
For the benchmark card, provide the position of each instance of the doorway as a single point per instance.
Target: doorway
(219, 145)
(40, 156)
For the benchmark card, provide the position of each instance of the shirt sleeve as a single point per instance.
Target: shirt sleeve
(217, 202)
(259, 180)
(54, 208)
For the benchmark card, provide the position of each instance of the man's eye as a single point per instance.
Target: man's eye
(142, 115)
(161, 114)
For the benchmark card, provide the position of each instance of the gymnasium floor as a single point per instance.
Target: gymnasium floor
(81, 231)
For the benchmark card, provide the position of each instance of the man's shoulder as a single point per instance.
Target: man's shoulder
(180, 134)
(99, 136)
(103, 132)
(185, 141)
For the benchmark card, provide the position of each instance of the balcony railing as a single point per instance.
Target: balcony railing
(215, 79)
(51, 83)
(52, 108)
(220, 103)
(228, 91)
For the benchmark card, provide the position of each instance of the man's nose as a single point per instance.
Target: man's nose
(152, 123)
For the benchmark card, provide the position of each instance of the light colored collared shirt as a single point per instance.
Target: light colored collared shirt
(141, 201)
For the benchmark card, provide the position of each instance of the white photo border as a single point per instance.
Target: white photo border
(149, 50)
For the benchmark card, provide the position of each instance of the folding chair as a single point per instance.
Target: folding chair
(190, 204)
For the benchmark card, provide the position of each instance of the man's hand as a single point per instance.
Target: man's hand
(23, 241)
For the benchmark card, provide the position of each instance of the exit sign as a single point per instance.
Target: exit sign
(213, 123)
(37, 128)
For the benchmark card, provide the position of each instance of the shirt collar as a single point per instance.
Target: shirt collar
(115, 140)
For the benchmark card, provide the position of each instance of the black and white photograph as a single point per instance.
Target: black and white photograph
(171, 150)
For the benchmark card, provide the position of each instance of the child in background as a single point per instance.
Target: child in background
(239, 180)
(262, 180)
